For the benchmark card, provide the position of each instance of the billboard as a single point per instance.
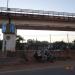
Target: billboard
(12, 28)
(8, 29)
(3, 28)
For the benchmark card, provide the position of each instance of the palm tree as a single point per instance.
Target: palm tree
(19, 39)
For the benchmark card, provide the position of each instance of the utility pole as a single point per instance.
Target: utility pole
(68, 52)
(50, 42)
(7, 4)
(50, 38)
(8, 15)
(68, 40)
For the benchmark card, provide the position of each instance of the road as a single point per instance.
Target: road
(46, 71)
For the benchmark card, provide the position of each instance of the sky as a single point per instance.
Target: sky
(47, 35)
(50, 5)
(47, 5)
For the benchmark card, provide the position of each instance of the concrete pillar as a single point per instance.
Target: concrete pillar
(9, 42)
(9, 38)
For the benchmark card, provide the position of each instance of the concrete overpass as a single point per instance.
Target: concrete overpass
(39, 19)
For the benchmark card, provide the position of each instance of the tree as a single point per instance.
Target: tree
(19, 39)
(59, 45)
(36, 45)
(19, 45)
(72, 45)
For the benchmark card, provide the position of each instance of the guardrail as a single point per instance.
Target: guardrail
(36, 12)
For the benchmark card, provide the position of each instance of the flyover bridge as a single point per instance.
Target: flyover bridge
(39, 19)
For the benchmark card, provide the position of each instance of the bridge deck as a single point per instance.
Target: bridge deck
(19, 16)
(40, 16)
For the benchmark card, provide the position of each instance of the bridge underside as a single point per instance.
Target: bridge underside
(40, 22)
(45, 28)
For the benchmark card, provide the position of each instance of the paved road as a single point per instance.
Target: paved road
(47, 71)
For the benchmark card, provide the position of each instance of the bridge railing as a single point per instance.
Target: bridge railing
(36, 12)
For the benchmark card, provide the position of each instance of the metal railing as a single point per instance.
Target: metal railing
(36, 12)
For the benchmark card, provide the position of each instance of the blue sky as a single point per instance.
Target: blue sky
(51, 5)
(47, 5)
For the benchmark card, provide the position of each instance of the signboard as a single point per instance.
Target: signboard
(8, 28)
(3, 28)
(12, 28)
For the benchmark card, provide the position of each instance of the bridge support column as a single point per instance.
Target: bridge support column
(9, 40)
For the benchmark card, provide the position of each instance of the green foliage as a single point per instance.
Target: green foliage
(19, 45)
(19, 38)
(59, 45)
(36, 45)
